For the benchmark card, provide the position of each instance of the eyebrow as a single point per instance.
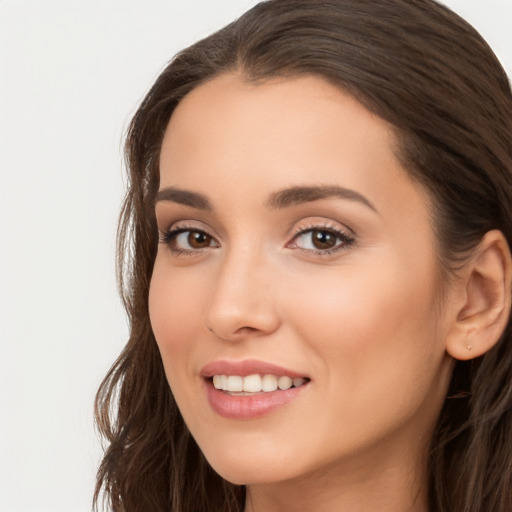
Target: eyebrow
(185, 197)
(281, 199)
(299, 195)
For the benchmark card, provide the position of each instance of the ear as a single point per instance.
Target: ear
(483, 306)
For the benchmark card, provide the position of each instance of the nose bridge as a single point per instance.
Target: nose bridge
(241, 300)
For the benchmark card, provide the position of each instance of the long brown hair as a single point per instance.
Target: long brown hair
(430, 74)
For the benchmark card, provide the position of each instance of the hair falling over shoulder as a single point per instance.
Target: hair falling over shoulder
(431, 75)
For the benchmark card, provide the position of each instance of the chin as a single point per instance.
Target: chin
(243, 475)
(244, 469)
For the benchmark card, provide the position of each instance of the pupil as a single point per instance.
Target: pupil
(323, 239)
(198, 240)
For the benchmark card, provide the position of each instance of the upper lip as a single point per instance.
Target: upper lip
(246, 367)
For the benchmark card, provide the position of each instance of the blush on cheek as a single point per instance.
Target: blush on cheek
(371, 320)
(175, 321)
(170, 334)
(171, 311)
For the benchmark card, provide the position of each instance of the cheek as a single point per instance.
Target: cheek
(358, 307)
(174, 306)
(381, 364)
(373, 330)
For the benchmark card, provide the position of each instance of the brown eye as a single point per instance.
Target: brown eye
(184, 240)
(199, 239)
(323, 239)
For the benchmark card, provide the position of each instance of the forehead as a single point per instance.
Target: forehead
(307, 106)
(230, 135)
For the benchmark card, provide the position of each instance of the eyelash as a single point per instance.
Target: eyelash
(345, 240)
(170, 236)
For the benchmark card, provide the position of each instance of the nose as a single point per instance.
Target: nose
(242, 304)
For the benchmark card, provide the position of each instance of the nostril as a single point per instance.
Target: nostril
(233, 316)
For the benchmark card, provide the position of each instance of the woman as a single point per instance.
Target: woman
(314, 256)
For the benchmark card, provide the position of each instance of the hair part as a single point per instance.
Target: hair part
(430, 75)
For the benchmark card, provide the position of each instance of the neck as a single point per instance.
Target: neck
(392, 483)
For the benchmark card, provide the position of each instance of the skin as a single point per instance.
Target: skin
(363, 322)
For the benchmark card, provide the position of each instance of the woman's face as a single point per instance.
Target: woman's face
(295, 249)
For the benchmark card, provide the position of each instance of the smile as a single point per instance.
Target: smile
(249, 389)
(256, 383)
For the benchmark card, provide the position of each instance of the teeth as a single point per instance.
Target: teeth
(284, 383)
(235, 383)
(252, 383)
(217, 381)
(255, 383)
(298, 381)
(269, 383)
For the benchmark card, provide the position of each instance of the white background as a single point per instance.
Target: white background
(71, 74)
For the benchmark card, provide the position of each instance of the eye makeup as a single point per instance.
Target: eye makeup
(313, 239)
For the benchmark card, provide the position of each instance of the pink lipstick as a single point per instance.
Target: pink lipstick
(249, 389)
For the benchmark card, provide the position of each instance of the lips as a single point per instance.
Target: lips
(249, 389)
(246, 367)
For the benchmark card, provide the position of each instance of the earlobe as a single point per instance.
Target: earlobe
(484, 311)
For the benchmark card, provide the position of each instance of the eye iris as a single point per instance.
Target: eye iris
(198, 240)
(323, 239)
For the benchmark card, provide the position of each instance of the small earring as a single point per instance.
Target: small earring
(468, 348)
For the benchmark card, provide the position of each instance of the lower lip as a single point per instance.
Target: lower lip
(249, 407)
